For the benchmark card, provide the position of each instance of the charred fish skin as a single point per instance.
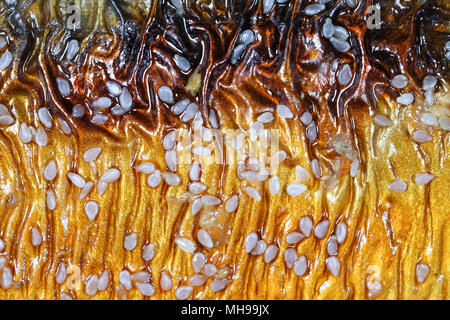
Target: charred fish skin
(126, 137)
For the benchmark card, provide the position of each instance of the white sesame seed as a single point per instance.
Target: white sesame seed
(328, 28)
(103, 281)
(306, 118)
(295, 189)
(45, 118)
(179, 107)
(316, 168)
(382, 120)
(247, 37)
(113, 88)
(422, 271)
(72, 49)
(182, 62)
(266, 117)
(196, 187)
(332, 246)
(259, 248)
(61, 273)
(141, 277)
(130, 242)
(165, 281)
(345, 75)
(423, 178)
(185, 245)
(86, 189)
(41, 137)
(339, 44)
(209, 270)
(209, 200)
(406, 98)
(198, 261)
(284, 112)
(64, 126)
(333, 265)
(145, 167)
(194, 171)
(197, 205)
(50, 171)
(232, 204)
(197, 280)
(36, 237)
(154, 179)
(165, 94)
(63, 86)
(25, 133)
(91, 210)
(110, 175)
(91, 154)
(400, 81)
(313, 9)
(148, 252)
(125, 279)
(320, 231)
(341, 33)
(430, 99)
(311, 131)
(300, 266)
(101, 187)
(146, 289)
(171, 179)
(429, 83)
(444, 122)
(306, 226)
(171, 160)
(421, 136)
(429, 119)
(237, 53)
(6, 278)
(294, 237)
(250, 242)
(341, 232)
(125, 100)
(2, 246)
(268, 6)
(183, 292)
(213, 119)
(78, 111)
(354, 168)
(398, 186)
(204, 238)
(302, 174)
(5, 60)
(91, 285)
(270, 253)
(274, 185)
(190, 112)
(217, 285)
(51, 199)
(76, 179)
(290, 256)
(252, 193)
(102, 103)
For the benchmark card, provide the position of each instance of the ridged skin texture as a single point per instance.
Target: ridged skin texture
(289, 63)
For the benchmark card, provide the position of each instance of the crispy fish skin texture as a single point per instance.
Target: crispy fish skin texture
(289, 63)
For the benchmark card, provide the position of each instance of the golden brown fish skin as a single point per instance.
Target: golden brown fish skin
(290, 63)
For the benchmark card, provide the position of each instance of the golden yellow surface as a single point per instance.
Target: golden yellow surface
(388, 233)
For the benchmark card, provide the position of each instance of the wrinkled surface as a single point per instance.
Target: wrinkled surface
(290, 63)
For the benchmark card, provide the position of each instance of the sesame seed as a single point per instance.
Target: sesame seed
(61, 273)
(400, 81)
(284, 112)
(51, 199)
(50, 171)
(259, 248)
(36, 237)
(341, 232)
(204, 238)
(321, 229)
(146, 289)
(110, 175)
(165, 94)
(86, 189)
(290, 256)
(197, 280)
(423, 178)
(113, 88)
(421, 136)
(125, 279)
(300, 266)
(333, 265)
(154, 179)
(232, 204)
(91, 285)
(252, 193)
(382, 121)
(294, 237)
(145, 167)
(398, 186)
(72, 49)
(295, 189)
(198, 261)
(45, 118)
(209, 270)
(165, 281)
(91, 210)
(422, 271)
(185, 245)
(306, 226)
(429, 119)
(313, 9)
(270, 253)
(92, 154)
(250, 242)
(266, 117)
(183, 292)
(76, 179)
(25, 133)
(406, 98)
(103, 281)
(148, 252)
(130, 242)
(332, 246)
